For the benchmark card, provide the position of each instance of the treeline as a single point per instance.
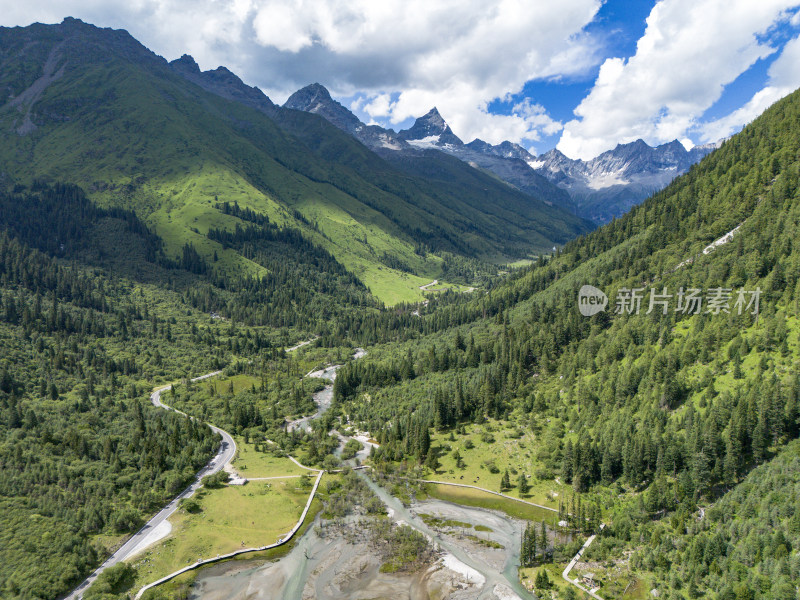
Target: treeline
(304, 286)
(245, 214)
(469, 271)
(54, 218)
(445, 310)
(43, 296)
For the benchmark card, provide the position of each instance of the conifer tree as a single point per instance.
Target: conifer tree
(522, 484)
(458, 459)
(505, 482)
(543, 536)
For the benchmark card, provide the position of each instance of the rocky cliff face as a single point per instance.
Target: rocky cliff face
(612, 183)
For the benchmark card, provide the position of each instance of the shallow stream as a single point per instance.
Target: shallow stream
(333, 568)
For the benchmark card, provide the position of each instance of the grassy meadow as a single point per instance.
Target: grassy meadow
(228, 519)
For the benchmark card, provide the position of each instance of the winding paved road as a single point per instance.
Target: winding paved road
(225, 454)
(427, 285)
(301, 344)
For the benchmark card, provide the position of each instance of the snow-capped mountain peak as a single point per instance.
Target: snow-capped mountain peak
(599, 189)
(430, 130)
(614, 181)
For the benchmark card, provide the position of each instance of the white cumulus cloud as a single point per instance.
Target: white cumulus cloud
(690, 51)
(395, 59)
(784, 78)
(406, 56)
(403, 56)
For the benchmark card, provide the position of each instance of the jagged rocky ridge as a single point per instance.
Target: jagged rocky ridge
(599, 189)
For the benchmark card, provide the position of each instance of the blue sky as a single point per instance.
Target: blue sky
(620, 25)
(580, 75)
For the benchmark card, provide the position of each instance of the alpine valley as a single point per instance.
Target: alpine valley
(262, 351)
(599, 190)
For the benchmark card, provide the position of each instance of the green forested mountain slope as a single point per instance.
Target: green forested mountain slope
(431, 184)
(651, 415)
(745, 546)
(83, 458)
(93, 314)
(680, 427)
(93, 107)
(427, 181)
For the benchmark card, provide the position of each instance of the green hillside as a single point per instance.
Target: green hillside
(651, 417)
(93, 315)
(745, 546)
(93, 107)
(83, 457)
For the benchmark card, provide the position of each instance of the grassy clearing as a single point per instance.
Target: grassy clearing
(614, 582)
(623, 585)
(518, 264)
(443, 286)
(281, 551)
(250, 463)
(477, 498)
(180, 586)
(527, 576)
(637, 591)
(391, 286)
(233, 384)
(230, 518)
(495, 446)
(219, 383)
